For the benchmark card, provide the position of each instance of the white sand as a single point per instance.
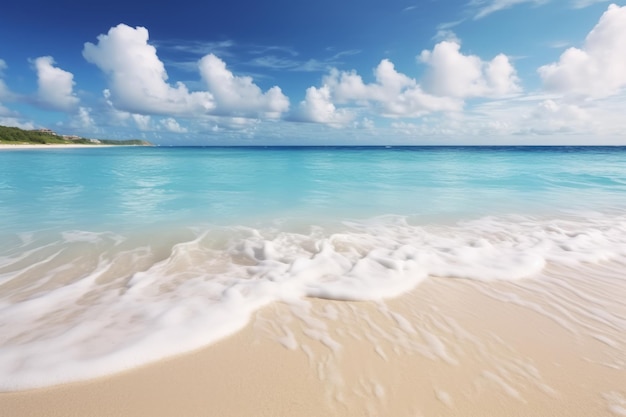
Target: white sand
(449, 348)
(51, 146)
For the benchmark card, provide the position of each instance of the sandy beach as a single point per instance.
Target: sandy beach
(51, 146)
(448, 348)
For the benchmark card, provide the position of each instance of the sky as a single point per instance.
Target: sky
(341, 72)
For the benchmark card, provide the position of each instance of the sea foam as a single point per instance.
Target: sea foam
(80, 304)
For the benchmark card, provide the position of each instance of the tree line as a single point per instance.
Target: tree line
(15, 135)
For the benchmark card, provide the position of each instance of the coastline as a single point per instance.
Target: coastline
(533, 324)
(54, 146)
(449, 347)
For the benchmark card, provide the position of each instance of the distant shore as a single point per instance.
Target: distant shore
(4, 146)
(16, 138)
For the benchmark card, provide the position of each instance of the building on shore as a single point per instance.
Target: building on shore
(44, 130)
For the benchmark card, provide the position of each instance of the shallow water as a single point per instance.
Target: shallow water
(114, 257)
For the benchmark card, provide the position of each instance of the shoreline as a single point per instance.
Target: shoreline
(448, 347)
(58, 146)
(54, 146)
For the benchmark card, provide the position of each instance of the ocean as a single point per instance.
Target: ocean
(115, 257)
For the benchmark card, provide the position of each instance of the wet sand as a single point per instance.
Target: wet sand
(553, 346)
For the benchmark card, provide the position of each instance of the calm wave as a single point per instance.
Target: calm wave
(114, 257)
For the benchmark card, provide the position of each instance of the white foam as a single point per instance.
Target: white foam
(444, 397)
(134, 303)
(616, 403)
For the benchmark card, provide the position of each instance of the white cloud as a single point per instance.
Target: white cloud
(558, 44)
(237, 123)
(229, 127)
(117, 116)
(317, 107)
(239, 95)
(530, 119)
(599, 68)
(274, 62)
(14, 122)
(289, 64)
(137, 77)
(365, 123)
(138, 82)
(452, 74)
(595, 121)
(435, 130)
(171, 125)
(581, 4)
(55, 85)
(142, 121)
(485, 8)
(199, 48)
(393, 94)
(446, 35)
(348, 86)
(3, 66)
(83, 119)
(551, 116)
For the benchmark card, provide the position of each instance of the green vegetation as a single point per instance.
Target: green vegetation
(135, 142)
(16, 136)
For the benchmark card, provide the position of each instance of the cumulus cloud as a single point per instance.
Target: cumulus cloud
(142, 121)
(453, 74)
(317, 107)
(537, 119)
(138, 81)
(55, 86)
(137, 77)
(83, 119)
(446, 35)
(171, 125)
(450, 78)
(239, 95)
(551, 116)
(349, 86)
(596, 70)
(393, 94)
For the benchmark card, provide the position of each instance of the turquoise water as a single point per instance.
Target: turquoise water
(114, 257)
(110, 188)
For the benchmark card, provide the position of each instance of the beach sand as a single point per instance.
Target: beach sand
(448, 348)
(53, 146)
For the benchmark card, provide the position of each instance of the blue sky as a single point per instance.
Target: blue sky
(325, 72)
